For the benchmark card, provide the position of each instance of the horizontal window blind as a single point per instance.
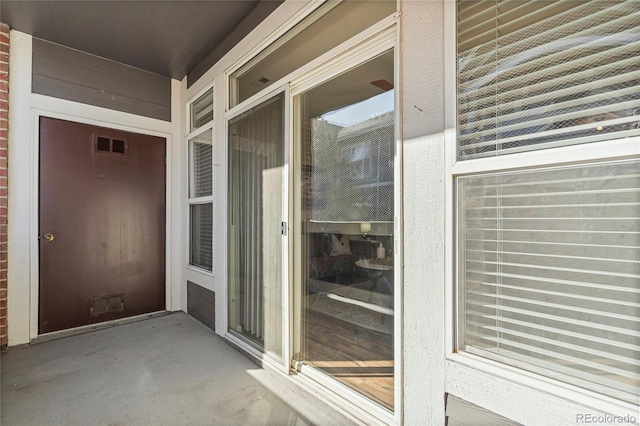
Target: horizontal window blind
(201, 236)
(201, 185)
(540, 74)
(550, 273)
(201, 161)
(202, 110)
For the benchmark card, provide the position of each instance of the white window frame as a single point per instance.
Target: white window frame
(190, 201)
(561, 401)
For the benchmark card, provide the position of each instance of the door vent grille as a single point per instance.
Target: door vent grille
(115, 146)
(106, 304)
(103, 144)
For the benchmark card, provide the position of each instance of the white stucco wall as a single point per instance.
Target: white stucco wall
(422, 109)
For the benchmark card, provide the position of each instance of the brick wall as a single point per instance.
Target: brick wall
(4, 127)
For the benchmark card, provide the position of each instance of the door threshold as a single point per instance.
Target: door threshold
(54, 335)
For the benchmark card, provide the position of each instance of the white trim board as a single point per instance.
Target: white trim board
(175, 193)
(20, 190)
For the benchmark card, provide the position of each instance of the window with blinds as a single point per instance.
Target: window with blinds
(202, 110)
(201, 182)
(550, 273)
(201, 165)
(201, 236)
(540, 74)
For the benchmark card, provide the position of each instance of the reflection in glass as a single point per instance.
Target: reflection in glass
(327, 27)
(345, 130)
(256, 159)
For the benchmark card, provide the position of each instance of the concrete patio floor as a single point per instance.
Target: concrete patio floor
(169, 370)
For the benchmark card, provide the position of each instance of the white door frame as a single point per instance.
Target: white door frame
(63, 113)
(27, 108)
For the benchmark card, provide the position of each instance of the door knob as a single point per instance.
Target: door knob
(48, 237)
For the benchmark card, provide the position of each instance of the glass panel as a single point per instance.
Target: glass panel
(201, 235)
(345, 130)
(550, 273)
(202, 110)
(256, 179)
(543, 74)
(201, 164)
(324, 29)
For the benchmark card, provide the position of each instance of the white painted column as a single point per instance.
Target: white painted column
(20, 238)
(220, 251)
(422, 104)
(176, 284)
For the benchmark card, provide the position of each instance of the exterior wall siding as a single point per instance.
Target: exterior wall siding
(201, 304)
(4, 129)
(65, 73)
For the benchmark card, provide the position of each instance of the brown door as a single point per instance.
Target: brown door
(102, 224)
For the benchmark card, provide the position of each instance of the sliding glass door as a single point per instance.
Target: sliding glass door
(256, 211)
(345, 140)
(340, 299)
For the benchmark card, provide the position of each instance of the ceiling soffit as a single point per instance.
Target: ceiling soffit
(169, 38)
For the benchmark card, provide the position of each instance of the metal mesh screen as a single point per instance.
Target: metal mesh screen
(352, 179)
(541, 74)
